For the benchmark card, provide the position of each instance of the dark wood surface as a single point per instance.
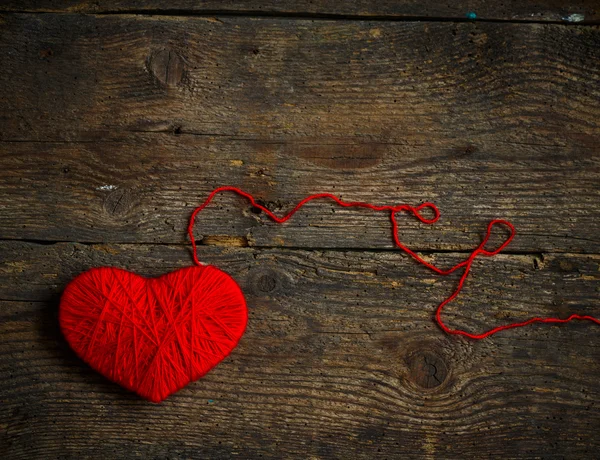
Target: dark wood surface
(573, 11)
(114, 126)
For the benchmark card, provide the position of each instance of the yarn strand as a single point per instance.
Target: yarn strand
(416, 212)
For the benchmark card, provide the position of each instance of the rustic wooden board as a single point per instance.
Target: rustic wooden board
(144, 189)
(136, 119)
(508, 86)
(340, 359)
(113, 127)
(511, 10)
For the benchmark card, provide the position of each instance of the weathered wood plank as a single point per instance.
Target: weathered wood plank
(148, 115)
(511, 10)
(112, 128)
(144, 189)
(78, 77)
(337, 361)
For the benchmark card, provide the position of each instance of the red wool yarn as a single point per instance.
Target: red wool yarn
(416, 212)
(154, 336)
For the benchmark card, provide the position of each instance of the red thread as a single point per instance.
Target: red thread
(153, 335)
(416, 211)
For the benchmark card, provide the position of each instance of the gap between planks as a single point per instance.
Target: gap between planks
(199, 243)
(213, 15)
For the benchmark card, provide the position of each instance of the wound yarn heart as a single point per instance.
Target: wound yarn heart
(153, 336)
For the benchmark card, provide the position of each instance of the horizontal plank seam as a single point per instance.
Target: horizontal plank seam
(296, 15)
(521, 252)
(199, 242)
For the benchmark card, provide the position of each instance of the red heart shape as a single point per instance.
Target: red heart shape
(153, 335)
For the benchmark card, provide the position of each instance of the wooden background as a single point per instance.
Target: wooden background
(117, 118)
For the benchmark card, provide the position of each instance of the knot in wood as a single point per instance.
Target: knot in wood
(427, 369)
(118, 202)
(264, 281)
(167, 66)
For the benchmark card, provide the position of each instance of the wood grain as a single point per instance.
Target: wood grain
(113, 127)
(511, 10)
(341, 358)
(144, 189)
(509, 86)
(136, 119)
